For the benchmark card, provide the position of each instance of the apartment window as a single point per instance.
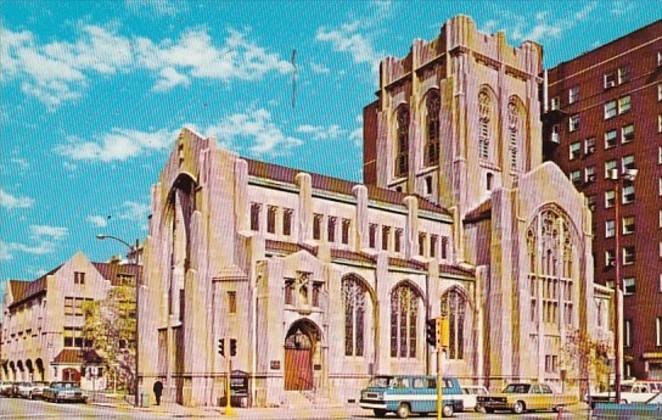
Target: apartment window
(610, 80)
(79, 277)
(610, 110)
(610, 139)
(317, 226)
(573, 123)
(556, 133)
(287, 222)
(397, 239)
(659, 123)
(444, 247)
(573, 95)
(659, 216)
(610, 199)
(659, 155)
(628, 193)
(629, 286)
(575, 150)
(623, 75)
(372, 236)
(385, 234)
(658, 331)
(428, 185)
(68, 306)
(555, 103)
(271, 219)
(591, 202)
(421, 244)
(232, 302)
(345, 231)
(610, 165)
(576, 176)
(289, 292)
(624, 104)
(629, 255)
(659, 58)
(331, 229)
(610, 229)
(659, 285)
(589, 174)
(627, 162)
(609, 258)
(628, 225)
(627, 133)
(433, 246)
(659, 92)
(659, 186)
(255, 216)
(660, 249)
(627, 333)
(589, 146)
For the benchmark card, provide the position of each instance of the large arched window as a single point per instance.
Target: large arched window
(514, 134)
(402, 141)
(432, 128)
(455, 304)
(484, 124)
(354, 301)
(404, 320)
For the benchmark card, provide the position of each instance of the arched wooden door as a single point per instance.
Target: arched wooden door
(300, 346)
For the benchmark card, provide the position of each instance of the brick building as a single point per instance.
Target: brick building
(603, 111)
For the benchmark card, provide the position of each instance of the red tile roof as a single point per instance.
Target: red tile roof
(111, 271)
(77, 356)
(482, 212)
(273, 245)
(351, 255)
(22, 290)
(322, 182)
(401, 262)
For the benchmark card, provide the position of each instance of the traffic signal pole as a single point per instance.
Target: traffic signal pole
(440, 379)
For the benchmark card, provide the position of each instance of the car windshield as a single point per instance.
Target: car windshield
(517, 389)
(381, 381)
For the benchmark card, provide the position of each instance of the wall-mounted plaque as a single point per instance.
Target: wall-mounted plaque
(275, 365)
(317, 367)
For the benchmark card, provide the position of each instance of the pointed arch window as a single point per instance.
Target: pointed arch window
(455, 304)
(513, 135)
(432, 106)
(354, 301)
(404, 321)
(402, 140)
(484, 116)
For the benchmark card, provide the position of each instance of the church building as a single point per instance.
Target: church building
(324, 282)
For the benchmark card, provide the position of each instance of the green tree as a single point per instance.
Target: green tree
(586, 358)
(110, 325)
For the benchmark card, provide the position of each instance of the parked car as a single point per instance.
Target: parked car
(470, 395)
(23, 389)
(651, 409)
(64, 391)
(32, 390)
(407, 394)
(522, 397)
(631, 392)
(6, 388)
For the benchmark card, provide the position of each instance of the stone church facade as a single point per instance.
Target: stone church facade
(325, 282)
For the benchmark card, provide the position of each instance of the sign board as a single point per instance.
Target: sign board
(239, 383)
(274, 365)
(444, 332)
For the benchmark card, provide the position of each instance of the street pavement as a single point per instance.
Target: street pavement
(12, 408)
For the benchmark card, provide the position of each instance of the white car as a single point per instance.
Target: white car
(636, 392)
(469, 394)
(23, 389)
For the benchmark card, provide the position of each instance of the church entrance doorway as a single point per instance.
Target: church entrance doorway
(301, 347)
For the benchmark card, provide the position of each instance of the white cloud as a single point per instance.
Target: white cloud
(119, 144)
(155, 7)
(356, 136)
(319, 68)
(59, 71)
(5, 255)
(53, 232)
(10, 202)
(135, 212)
(20, 163)
(347, 38)
(318, 132)
(254, 130)
(45, 239)
(98, 221)
(621, 7)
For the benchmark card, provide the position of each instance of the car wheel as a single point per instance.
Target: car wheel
(519, 407)
(379, 413)
(403, 411)
(447, 411)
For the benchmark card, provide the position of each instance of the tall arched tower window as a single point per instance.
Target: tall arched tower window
(354, 300)
(402, 141)
(432, 128)
(484, 128)
(455, 303)
(514, 134)
(404, 321)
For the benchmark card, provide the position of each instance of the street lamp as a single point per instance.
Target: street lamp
(628, 175)
(131, 256)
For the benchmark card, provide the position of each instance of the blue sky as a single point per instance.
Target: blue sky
(94, 92)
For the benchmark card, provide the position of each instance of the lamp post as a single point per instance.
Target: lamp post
(132, 259)
(627, 175)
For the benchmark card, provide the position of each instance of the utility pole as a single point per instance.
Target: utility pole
(442, 341)
(225, 353)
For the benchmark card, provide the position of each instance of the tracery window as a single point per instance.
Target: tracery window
(432, 128)
(354, 301)
(402, 139)
(404, 317)
(513, 134)
(455, 303)
(484, 115)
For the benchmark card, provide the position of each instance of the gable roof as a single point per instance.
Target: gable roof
(326, 183)
(22, 290)
(480, 213)
(112, 270)
(77, 357)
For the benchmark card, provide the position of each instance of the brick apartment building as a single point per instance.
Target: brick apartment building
(603, 111)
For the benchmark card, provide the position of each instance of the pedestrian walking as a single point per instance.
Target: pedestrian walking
(158, 390)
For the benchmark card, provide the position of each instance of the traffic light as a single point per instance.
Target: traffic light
(221, 346)
(233, 347)
(431, 331)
